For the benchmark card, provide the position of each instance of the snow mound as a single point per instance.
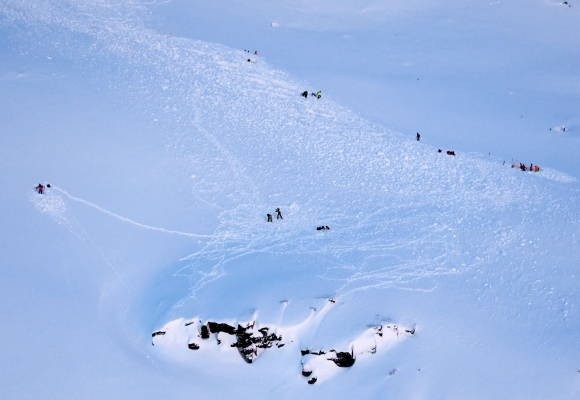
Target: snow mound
(193, 342)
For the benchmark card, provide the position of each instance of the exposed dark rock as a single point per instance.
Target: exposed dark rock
(157, 333)
(248, 344)
(204, 332)
(318, 353)
(215, 327)
(344, 359)
(188, 323)
(304, 352)
(281, 345)
(306, 373)
(312, 381)
(193, 346)
(411, 331)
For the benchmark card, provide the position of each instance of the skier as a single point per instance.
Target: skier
(269, 217)
(40, 188)
(418, 137)
(305, 94)
(319, 94)
(278, 214)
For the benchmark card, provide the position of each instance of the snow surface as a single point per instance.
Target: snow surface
(164, 154)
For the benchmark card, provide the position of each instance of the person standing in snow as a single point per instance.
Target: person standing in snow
(319, 94)
(40, 188)
(305, 94)
(256, 52)
(418, 137)
(269, 217)
(278, 214)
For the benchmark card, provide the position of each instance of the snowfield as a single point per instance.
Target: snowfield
(439, 276)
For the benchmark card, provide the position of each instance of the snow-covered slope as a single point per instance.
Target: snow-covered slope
(165, 154)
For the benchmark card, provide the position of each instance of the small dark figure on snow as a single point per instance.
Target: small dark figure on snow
(439, 151)
(450, 153)
(523, 167)
(418, 137)
(305, 94)
(256, 52)
(323, 228)
(278, 214)
(48, 185)
(319, 94)
(531, 167)
(40, 188)
(269, 217)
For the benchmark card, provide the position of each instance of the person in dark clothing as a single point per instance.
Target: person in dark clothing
(269, 217)
(418, 137)
(278, 214)
(40, 188)
(305, 94)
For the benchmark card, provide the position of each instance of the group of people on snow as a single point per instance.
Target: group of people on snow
(40, 188)
(524, 168)
(317, 95)
(278, 215)
(449, 152)
(255, 53)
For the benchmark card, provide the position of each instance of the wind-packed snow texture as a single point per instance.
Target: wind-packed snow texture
(480, 258)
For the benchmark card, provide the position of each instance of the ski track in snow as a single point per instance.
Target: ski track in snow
(124, 219)
(319, 162)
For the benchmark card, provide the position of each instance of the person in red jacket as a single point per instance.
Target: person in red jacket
(40, 188)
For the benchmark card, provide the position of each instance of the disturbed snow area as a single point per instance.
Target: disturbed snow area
(163, 228)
